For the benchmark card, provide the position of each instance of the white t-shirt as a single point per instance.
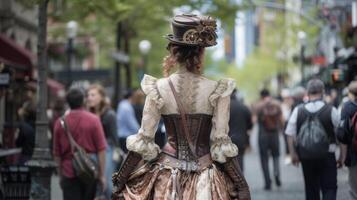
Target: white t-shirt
(313, 106)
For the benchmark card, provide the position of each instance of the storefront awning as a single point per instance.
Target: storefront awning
(15, 55)
(55, 88)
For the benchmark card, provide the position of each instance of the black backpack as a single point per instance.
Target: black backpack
(312, 141)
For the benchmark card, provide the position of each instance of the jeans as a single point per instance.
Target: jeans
(269, 145)
(75, 189)
(320, 174)
(109, 170)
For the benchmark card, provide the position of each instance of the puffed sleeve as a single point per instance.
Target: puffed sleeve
(221, 144)
(143, 142)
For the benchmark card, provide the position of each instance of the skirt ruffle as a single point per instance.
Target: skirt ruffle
(154, 181)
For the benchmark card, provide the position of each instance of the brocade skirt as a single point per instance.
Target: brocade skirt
(157, 182)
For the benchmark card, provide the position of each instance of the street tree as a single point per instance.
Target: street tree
(140, 19)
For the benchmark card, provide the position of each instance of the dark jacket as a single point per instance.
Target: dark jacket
(240, 123)
(109, 124)
(26, 141)
(345, 133)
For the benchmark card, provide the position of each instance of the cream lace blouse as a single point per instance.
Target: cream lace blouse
(199, 95)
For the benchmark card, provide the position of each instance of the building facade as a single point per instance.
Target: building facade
(18, 44)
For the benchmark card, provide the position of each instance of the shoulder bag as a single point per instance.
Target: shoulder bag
(84, 167)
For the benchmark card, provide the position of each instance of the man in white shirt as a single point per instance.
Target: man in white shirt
(319, 173)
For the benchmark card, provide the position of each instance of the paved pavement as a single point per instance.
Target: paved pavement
(56, 192)
(292, 180)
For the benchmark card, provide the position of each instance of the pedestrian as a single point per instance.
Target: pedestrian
(286, 103)
(139, 99)
(270, 124)
(347, 135)
(240, 123)
(312, 141)
(57, 111)
(199, 160)
(299, 95)
(98, 104)
(126, 118)
(138, 104)
(88, 133)
(26, 131)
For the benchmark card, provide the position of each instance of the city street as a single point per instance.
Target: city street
(80, 77)
(292, 178)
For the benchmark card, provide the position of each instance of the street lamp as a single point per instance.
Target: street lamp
(41, 163)
(71, 30)
(144, 47)
(302, 40)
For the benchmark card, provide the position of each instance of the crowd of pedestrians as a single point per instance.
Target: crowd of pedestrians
(318, 130)
(314, 131)
(100, 131)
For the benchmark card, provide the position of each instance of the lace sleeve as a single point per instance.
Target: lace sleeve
(143, 142)
(221, 144)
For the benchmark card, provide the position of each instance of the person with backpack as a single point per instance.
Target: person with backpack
(270, 122)
(312, 141)
(347, 135)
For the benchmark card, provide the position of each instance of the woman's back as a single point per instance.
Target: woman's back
(193, 90)
(195, 111)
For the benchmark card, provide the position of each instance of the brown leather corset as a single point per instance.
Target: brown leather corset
(199, 128)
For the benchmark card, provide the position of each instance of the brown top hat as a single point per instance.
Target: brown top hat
(193, 30)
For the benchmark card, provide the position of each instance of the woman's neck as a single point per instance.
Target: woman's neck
(181, 70)
(96, 110)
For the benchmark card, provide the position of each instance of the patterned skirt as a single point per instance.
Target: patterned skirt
(159, 182)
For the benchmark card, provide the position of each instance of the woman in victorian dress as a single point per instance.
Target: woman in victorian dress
(199, 160)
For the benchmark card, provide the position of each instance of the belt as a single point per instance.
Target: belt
(194, 166)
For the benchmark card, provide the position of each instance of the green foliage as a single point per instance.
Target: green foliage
(256, 73)
(144, 19)
(30, 3)
(264, 64)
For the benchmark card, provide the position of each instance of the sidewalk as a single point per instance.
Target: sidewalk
(292, 179)
(56, 192)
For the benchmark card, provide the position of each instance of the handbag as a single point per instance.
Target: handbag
(84, 167)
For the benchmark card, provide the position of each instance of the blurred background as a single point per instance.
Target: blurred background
(275, 44)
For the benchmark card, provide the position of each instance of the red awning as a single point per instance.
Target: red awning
(54, 87)
(15, 55)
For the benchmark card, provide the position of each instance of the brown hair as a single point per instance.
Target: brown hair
(104, 104)
(190, 57)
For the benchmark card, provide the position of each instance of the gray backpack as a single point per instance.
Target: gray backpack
(312, 140)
